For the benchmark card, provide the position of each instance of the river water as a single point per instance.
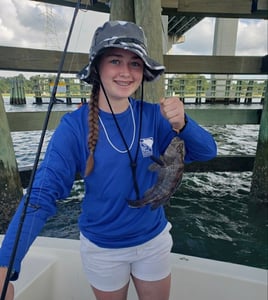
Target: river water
(209, 213)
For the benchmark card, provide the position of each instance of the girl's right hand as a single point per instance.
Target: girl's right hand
(10, 289)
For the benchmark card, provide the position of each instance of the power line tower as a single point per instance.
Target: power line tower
(51, 32)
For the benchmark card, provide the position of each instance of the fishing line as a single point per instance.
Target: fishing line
(52, 101)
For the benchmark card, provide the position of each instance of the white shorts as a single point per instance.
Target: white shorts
(110, 269)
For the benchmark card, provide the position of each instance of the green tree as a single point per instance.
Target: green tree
(189, 84)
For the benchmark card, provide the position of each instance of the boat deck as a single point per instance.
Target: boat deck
(52, 270)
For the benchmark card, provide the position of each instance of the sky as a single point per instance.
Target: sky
(24, 23)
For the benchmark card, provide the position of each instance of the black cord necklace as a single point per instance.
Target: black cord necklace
(133, 161)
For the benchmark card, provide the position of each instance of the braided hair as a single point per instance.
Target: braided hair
(93, 123)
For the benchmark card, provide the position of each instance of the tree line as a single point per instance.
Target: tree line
(5, 83)
(43, 84)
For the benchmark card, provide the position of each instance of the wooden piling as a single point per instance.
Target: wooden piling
(137, 11)
(211, 97)
(83, 92)
(259, 184)
(37, 92)
(263, 94)
(148, 16)
(238, 91)
(17, 92)
(122, 10)
(68, 92)
(198, 96)
(10, 184)
(182, 89)
(248, 96)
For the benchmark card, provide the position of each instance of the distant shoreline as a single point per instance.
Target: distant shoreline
(8, 95)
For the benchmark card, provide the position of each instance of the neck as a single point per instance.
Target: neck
(118, 105)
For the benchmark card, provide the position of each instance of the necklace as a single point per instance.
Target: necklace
(133, 137)
(133, 162)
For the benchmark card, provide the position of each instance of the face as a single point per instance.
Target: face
(121, 72)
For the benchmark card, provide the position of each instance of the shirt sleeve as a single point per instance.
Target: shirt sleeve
(53, 181)
(199, 143)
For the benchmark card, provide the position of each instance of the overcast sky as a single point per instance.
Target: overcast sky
(24, 23)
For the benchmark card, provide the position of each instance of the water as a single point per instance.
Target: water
(209, 213)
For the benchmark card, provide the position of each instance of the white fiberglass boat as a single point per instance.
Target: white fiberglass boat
(52, 271)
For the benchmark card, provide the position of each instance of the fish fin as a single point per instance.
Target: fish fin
(136, 203)
(157, 204)
(157, 160)
(154, 167)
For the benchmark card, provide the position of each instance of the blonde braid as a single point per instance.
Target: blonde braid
(93, 123)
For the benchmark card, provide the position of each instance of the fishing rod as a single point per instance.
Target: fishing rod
(52, 101)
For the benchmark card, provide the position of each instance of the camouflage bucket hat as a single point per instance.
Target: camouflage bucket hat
(124, 35)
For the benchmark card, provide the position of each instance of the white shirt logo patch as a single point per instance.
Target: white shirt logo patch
(146, 145)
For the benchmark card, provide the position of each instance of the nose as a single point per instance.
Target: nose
(124, 70)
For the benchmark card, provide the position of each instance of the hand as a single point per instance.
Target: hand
(10, 289)
(173, 110)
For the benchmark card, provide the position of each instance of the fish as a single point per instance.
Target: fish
(170, 168)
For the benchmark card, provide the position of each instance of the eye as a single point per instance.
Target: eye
(115, 61)
(137, 64)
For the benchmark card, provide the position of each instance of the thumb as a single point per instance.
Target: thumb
(162, 100)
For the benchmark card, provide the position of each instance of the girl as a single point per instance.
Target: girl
(110, 142)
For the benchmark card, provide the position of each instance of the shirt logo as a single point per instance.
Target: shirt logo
(146, 145)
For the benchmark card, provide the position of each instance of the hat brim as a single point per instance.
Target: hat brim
(152, 69)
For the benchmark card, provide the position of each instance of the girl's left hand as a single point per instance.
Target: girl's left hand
(173, 110)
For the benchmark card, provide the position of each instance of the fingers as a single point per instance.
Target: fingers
(173, 110)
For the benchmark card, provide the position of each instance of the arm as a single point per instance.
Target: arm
(199, 143)
(53, 181)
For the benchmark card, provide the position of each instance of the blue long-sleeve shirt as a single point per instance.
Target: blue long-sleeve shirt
(106, 219)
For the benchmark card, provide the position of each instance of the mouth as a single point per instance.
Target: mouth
(123, 83)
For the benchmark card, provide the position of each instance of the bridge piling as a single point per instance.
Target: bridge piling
(259, 184)
(10, 184)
